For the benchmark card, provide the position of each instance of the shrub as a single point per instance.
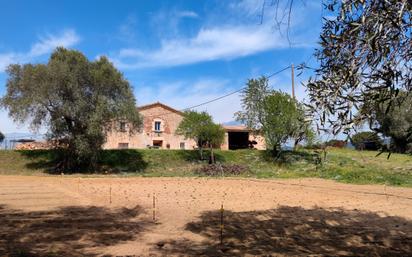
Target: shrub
(225, 169)
(315, 146)
(366, 140)
(336, 143)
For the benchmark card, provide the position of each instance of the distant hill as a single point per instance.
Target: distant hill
(232, 123)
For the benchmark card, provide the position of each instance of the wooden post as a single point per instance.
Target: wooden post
(110, 194)
(385, 192)
(154, 207)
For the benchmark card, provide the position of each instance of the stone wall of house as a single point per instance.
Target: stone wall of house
(260, 142)
(120, 136)
(169, 121)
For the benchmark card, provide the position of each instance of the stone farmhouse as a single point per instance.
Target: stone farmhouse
(159, 126)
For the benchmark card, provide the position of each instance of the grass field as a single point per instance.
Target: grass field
(342, 165)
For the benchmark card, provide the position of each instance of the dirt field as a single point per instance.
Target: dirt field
(68, 216)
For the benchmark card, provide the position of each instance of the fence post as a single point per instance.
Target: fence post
(385, 192)
(110, 194)
(154, 207)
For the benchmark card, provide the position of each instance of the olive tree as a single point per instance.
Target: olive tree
(75, 99)
(364, 55)
(280, 120)
(200, 127)
(366, 140)
(392, 119)
(273, 114)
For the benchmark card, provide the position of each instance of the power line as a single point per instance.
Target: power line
(234, 92)
(224, 96)
(277, 72)
(215, 99)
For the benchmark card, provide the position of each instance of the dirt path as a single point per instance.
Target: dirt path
(78, 216)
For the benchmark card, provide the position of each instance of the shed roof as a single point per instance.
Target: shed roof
(236, 128)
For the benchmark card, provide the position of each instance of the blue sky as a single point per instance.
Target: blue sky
(178, 52)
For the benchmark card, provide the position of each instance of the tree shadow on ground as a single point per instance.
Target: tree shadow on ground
(296, 231)
(40, 159)
(123, 160)
(110, 161)
(68, 231)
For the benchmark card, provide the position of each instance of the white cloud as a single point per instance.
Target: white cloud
(46, 44)
(187, 14)
(233, 30)
(8, 126)
(208, 45)
(127, 30)
(6, 59)
(248, 7)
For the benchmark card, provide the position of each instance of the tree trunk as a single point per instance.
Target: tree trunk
(399, 145)
(276, 151)
(295, 144)
(201, 153)
(212, 156)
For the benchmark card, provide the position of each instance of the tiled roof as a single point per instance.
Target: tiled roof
(158, 104)
(235, 128)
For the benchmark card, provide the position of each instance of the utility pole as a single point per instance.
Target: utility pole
(293, 80)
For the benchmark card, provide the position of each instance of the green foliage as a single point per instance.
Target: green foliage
(303, 130)
(75, 99)
(192, 124)
(253, 97)
(393, 119)
(1, 137)
(213, 134)
(344, 165)
(274, 114)
(366, 140)
(280, 119)
(365, 55)
(200, 127)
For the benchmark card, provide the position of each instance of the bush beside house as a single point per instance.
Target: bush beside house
(366, 140)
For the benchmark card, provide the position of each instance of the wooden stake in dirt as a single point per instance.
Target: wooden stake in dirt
(221, 225)
(154, 207)
(78, 186)
(110, 194)
(385, 192)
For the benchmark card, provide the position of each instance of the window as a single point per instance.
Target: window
(157, 125)
(157, 144)
(123, 145)
(182, 145)
(122, 126)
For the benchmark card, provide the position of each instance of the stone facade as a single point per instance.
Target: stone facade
(258, 141)
(159, 126)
